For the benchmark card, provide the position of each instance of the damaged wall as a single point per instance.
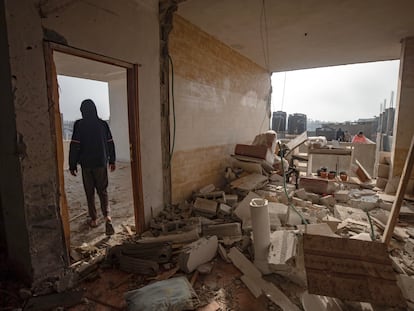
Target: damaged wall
(404, 126)
(220, 100)
(127, 30)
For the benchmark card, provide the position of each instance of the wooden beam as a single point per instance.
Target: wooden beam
(402, 186)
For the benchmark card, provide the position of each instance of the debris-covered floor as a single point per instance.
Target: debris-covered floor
(256, 243)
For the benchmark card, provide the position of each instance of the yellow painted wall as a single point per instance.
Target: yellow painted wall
(220, 100)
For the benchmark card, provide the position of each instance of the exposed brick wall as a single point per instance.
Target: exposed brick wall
(221, 99)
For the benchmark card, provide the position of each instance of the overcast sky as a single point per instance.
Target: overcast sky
(338, 93)
(72, 91)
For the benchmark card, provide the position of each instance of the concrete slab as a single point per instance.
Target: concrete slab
(197, 253)
(282, 250)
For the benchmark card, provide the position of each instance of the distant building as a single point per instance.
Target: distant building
(279, 121)
(297, 123)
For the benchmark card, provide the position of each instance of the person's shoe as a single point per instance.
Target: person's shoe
(109, 229)
(92, 223)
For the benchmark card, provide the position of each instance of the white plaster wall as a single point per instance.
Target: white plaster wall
(210, 116)
(127, 30)
(118, 106)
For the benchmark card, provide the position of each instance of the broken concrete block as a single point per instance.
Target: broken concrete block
(301, 194)
(298, 202)
(293, 218)
(317, 185)
(363, 236)
(172, 294)
(361, 172)
(365, 202)
(223, 230)
(250, 182)
(282, 250)
(278, 209)
(205, 206)
(318, 229)
(344, 212)
(251, 285)
(243, 264)
(312, 302)
(223, 253)
(406, 283)
(184, 237)
(207, 189)
(224, 209)
(231, 199)
(328, 200)
(313, 197)
(332, 222)
(341, 195)
(197, 253)
(242, 211)
(254, 151)
(249, 167)
(215, 195)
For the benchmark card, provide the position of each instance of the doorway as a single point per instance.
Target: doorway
(75, 75)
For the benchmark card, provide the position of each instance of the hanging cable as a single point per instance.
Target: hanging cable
(285, 188)
(173, 107)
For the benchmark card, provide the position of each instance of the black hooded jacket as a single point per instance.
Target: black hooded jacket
(92, 144)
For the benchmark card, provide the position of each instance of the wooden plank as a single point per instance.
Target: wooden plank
(402, 186)
(56, 126)
(350, 269)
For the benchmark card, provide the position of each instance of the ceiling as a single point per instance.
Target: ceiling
(306, 33)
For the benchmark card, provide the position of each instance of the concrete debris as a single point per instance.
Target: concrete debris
(205, 207)
(197, 253)
(282, 250)
(250, 182)
(328, 200)
(172, 294)
(215, 226)
(242, 210)
(231, 230)
(207, 189)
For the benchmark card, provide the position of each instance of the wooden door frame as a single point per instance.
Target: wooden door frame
(133, 124)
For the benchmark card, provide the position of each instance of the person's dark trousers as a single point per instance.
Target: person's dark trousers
(96, 178)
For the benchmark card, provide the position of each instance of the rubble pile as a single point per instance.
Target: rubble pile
(323, 226)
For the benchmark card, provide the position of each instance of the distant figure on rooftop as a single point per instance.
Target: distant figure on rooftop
(347, 137)
(360, 138)
(340, 135)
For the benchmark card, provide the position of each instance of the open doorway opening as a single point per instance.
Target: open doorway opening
(76, 75)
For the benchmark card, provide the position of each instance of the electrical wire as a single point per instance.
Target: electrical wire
(285, 188)
(264, 36)
(372, 233)
(173, 107)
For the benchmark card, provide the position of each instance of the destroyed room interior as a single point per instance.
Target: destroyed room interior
(215, 202)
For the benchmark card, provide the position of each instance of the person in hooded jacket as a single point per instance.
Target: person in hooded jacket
(93, 148)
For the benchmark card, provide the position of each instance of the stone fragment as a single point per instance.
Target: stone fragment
(207, 189)
(313, 197)
(197, 253)
(250, 182)
(332, 222)
(231, 199)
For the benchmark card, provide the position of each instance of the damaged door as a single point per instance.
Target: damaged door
(132, 153)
